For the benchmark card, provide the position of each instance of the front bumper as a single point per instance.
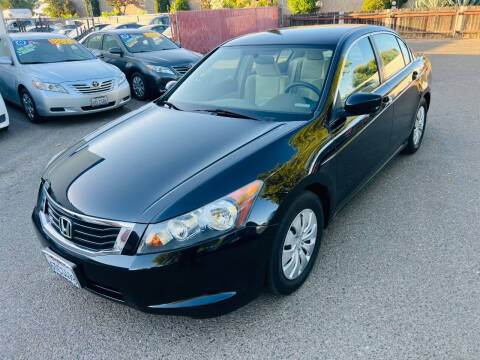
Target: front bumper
(156, 82)
(206, 280)
(50, 103)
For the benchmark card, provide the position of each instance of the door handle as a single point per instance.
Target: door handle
(415, 75)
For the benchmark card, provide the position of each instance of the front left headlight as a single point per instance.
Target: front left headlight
(121, 78)
(212, 220)
(49, 86)
(160, 69)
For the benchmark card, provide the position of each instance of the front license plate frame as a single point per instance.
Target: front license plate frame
(62, 267)
(99, 101)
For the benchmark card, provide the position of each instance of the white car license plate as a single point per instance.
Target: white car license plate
(99, 101)
(62, 267)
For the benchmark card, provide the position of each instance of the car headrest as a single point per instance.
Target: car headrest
(265, 65)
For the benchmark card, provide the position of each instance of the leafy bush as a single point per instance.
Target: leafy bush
(266, 3)
(95, 7)
(371, 5)
(110, 13)
(161, 6)
(302, 6)
(179, 5)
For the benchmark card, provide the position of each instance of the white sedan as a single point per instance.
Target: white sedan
(3, 115)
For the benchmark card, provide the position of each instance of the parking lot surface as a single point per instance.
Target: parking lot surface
(397, 276)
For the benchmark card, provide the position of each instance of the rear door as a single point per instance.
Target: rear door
(398, 75)
(8, 78)
(363, 142)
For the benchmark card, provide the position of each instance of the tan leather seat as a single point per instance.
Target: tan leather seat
(267, 83)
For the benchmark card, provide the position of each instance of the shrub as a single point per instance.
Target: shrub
(179, 5)
(371, 5)
(110, 13)
(60, 8)
(302, 6)
(161, 6)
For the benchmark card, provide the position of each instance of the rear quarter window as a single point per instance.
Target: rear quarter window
(390, 54)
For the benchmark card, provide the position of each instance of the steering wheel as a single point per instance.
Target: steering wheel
(303, 84)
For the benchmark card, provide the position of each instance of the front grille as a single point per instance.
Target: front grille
(85, 234)
(181, 69)
(90, 88)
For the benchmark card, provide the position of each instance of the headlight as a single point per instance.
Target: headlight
(49, 86)
(160, 69)
(121, 78)
(214, 219)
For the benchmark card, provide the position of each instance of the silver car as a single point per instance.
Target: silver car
(53, 75)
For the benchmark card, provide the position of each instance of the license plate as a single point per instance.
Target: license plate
(62, 267)
(99, 101)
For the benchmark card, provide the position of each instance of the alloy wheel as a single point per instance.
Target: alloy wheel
(138, 86)
(28, 106)
(299, 244)
(419, 125)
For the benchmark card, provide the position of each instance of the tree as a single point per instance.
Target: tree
(161, 6)
(18, 4)
(302, 6)
(370, 5)
(121, 5)
(60, 8)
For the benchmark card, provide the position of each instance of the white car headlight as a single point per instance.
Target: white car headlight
(121, 78)
(160, 69)
(214, 219)
(49, 87)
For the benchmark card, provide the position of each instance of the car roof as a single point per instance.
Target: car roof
(123, 31)
(35, 36)
(305, 35)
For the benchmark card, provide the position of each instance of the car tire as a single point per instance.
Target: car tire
(29, 107)
(419, 123)
(296, 244)
(138, 86)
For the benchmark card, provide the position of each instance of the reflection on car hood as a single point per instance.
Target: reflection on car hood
(120, 172)
(169, 57)
(71, 71)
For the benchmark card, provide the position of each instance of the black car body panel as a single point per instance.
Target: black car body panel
(159, 163)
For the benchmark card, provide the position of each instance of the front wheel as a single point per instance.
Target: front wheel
(138, 84)
(296, 244)
(416, 136)
(29, 107)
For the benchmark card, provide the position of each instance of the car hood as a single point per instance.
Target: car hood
(169, 57)
(120, 172)
(71, 71)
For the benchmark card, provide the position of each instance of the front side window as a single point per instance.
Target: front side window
(109, 42)
(272, 82)
(41, 51)
(390, 54)
(146, 42)
(360, 71)
(4, 49)
(94, 42)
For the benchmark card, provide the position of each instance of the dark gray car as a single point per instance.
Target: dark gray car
(148, 59)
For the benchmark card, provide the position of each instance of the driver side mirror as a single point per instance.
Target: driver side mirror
(116, 51)
(170, 84)
(363, 103)
(5, 61)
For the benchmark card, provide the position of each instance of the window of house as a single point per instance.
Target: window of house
(390, 54)
(360, 71)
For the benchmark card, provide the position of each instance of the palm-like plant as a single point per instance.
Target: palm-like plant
(443, 3)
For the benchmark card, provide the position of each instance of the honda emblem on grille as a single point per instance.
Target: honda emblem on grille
(95, 84)
(66, 227)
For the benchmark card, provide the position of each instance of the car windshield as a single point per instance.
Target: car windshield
(268, 82)
(146, 42)
(42, 51)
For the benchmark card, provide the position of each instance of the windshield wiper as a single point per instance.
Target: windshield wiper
(226, 113)
(169, 104)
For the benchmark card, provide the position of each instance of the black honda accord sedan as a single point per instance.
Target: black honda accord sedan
(193, 203)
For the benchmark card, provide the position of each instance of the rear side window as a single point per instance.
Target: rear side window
(360, 71)
(5, 49)
(94, 42)
(390, 54)
(405, 52)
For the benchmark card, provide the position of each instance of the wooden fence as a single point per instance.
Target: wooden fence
(453, 22)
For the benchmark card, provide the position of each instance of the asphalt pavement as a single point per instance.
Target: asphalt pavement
(397, 276)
